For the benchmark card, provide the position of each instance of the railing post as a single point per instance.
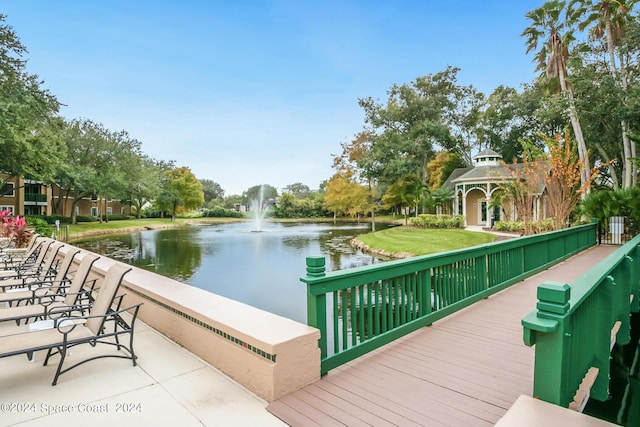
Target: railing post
(545, 328)
(635, 280)
(602, 339)
(599, 233)
(622, 291)
(317, 304)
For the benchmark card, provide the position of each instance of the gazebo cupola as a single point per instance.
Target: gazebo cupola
(487, 157)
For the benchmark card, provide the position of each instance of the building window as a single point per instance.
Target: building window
(7, 189)
(33, 210)
(122, 210)
(7, 208)
(94, 211)
(77, 210)
(109, 210)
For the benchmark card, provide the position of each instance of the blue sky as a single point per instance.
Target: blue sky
(257, 92)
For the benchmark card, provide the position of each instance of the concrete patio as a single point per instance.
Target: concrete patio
(170, 386)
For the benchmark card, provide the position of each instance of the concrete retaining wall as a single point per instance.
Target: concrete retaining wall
(268, 354)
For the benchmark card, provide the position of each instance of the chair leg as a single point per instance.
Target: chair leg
(133, 354)
(115, 333)
(46, 359)
(63, 353)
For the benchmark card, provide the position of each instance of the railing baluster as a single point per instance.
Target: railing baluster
(361, 308)
(344, 301)
(378, 312)
(336, 319)
(370, 308)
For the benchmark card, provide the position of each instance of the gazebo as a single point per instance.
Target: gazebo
(473, 188)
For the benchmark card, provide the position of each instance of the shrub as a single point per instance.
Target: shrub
(220, 212)
(39, 225)
(152, 212)
(192, 214)
(509, 226)
(604, 204)
(518, 226)
(543, 226)
(51, 219)
(437, 221)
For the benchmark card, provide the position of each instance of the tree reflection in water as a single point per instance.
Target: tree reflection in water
(260, 269)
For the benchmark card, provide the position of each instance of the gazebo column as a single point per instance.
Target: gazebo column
(487, 208)
(464, 208)
(456, 200)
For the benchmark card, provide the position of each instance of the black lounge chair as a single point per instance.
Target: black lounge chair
(65, 332)
(60, 296)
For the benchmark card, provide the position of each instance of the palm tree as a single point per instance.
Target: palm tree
(607, 18)
(547, 24)
(442, 197)
(415, 190)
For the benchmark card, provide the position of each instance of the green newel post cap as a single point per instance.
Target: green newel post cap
(553, 297)
(316, 266)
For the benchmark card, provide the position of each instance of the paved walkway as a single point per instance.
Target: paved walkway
(467, 369)
(480, 229)
(169, 387)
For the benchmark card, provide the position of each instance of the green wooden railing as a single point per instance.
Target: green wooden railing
(572, 326)
(361, 309)
(35, 197)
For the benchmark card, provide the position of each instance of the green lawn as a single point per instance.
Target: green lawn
(418, 241)
(88, 228)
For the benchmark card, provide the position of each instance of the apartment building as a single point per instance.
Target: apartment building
(28, 197)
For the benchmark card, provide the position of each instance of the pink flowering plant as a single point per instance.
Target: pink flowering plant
(13, 228)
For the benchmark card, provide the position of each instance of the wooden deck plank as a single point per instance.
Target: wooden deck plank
(478, 385)
(441, 395)
(519, 373)
(470, 357)
(424, 392)
(361, 414)
(291, 415)
(294, 410)
(395, 391)
(466, 369)
(343, 390)
(368, 387)
(343, 410)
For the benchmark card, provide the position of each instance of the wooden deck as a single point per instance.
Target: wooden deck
(464, 370)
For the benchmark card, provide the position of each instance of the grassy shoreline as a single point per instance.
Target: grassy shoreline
(88, 229)
(404, 242)
(393, 242)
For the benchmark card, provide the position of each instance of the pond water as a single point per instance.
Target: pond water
(261, 269)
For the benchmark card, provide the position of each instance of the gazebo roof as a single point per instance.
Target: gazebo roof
(496, 174)
(487, 152)
(457, 173)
